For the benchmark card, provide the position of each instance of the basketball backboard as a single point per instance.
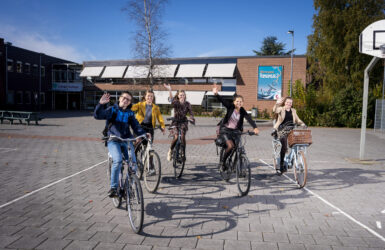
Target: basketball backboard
(372, 39)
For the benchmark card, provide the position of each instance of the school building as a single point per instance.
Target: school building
(259, 79)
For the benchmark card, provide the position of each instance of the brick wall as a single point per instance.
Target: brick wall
(247, 78)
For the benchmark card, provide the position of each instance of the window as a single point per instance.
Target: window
(19, 97)
(42, 98)
(42, 71)
(10, 65)
(19, 67)
(34, 70)
(11, 97)
(27, 68)
(27, 97)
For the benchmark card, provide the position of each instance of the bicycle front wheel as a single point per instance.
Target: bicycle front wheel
(117, 201)
(152, 172)
(300, 169)
(178, 160)
(139, 152)
(243, 175)
(135, 203)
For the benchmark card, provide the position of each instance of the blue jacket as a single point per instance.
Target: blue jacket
(124, 119)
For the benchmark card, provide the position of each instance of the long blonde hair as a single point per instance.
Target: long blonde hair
(177, 94)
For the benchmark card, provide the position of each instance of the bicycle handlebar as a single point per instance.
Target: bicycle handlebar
(112, 137)
(179, 121)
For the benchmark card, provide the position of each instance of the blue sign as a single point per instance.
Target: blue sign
(269, 82)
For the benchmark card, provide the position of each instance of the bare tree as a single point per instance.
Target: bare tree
(148, 37)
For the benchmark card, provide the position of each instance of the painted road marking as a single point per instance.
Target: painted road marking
(51, 184)
(378, 223)
(5, 150)
(333, 206)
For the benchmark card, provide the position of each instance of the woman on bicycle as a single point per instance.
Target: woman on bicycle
(147, 113)
(232, 124)
(120, 118)
(285, 115)
(181, 109)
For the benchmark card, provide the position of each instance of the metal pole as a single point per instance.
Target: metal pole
(6, 75)
(382, 102)
(291, 73)
(291, 61)
(365, 105)
(39, 97)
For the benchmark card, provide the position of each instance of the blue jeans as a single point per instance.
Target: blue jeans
(115, 148)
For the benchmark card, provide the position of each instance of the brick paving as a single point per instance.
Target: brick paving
(199, 211)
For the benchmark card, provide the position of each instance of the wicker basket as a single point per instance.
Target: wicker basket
(299, 136)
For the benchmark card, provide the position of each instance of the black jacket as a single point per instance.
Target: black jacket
(230, 109)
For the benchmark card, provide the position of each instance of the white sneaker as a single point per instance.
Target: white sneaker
(169, 154)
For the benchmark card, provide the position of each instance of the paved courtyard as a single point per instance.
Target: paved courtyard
(54, 187)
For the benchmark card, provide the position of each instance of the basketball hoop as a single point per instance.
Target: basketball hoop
(382, 48)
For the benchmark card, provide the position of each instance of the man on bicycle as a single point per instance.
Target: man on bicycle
(119, 118)
(232, 124)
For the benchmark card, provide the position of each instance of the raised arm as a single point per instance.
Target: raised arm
(223, 101)
(100, 112)
(277, 107)
(168, 87)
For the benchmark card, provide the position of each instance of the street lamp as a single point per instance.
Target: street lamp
(292, 51)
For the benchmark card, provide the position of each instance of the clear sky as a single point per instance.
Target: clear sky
(83, 30)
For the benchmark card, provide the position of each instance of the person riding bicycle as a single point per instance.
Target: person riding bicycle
(285, 114)
(181, 109)
(147, 113)
(120, 118)
(232, 124)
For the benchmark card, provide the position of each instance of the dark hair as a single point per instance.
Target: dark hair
(151, 92)
(235, 96)
(125, 92)
(128, 93)
(177, 93)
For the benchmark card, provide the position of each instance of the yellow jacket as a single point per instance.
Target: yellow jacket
(140, 109)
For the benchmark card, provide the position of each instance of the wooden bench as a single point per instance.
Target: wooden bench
(21, 116)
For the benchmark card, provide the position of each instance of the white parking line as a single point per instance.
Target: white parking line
(335, 207)
(378, 223)
(51, 184)
(5, 150)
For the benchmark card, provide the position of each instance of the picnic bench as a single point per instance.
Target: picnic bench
(21, 116)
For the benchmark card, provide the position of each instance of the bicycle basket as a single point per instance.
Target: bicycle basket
(299, 136)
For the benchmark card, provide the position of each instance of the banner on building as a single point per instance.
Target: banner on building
(269, 82)
(67, 87)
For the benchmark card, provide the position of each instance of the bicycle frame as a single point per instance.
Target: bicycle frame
(293, 152)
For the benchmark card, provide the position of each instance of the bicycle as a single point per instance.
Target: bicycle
(238, 163)
(129, 188)
(300, 140)
(178, 153)
(148, 163)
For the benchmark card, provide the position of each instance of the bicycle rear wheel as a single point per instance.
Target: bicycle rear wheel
(135, 203)
(178, 160)
(117, 201)
(152, 172)
(300, 170)
(243, 175)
